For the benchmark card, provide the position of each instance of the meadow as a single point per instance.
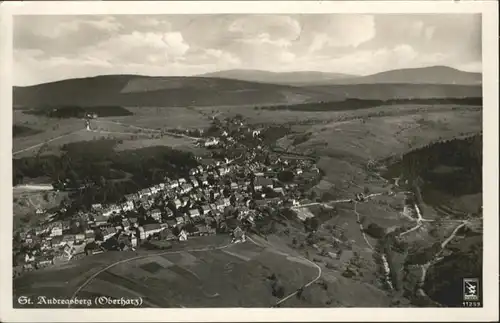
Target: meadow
(237, 276)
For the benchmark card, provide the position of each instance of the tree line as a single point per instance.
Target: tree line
(75, 111)
(354, 104)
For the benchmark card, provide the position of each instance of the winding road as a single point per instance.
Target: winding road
(436, 258)
(361, 228)
(285, 298)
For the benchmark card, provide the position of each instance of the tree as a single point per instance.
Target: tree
(286, 176)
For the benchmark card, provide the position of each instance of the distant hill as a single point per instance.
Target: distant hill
(300, 78)
(426, 75)
(133, 90)
(147, 91)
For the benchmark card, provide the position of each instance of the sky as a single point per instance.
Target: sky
(51, 48)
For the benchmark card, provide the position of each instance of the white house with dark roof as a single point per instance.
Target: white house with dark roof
(211, 142)
(223, 170)
(133, 221)
(206, 209)
(168, 212)
(79, 237)
(279, 190)
(100, 220)
(56, 230)
(194, 213)
(145, 192)
(127, 206)
(204, 179)
(89, 236)
(261, 182)
(194, 181)
(152, 190)
(183, 236)
(111, 209)
(186, 188)
(150, 229)
(108, 232)
(156, 214)
(131, 197)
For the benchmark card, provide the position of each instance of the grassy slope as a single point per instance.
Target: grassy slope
(128, 90)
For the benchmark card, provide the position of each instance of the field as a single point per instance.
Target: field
(233, 277)
(183, 118)
(132, 132)
(240, 275)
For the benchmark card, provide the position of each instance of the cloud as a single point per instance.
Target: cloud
(138, 46)
(475, 67)
(51, 47)
(339, 31)
(419, 30)
(222, 57)
(275, 26)
(363, 62)
(103, 24)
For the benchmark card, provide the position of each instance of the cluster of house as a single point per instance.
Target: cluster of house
(175, 209)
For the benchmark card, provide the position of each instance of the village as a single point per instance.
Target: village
(219, 196)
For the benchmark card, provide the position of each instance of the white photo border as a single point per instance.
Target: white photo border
(489, 312)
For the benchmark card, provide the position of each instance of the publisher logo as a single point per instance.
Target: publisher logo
(471, 289)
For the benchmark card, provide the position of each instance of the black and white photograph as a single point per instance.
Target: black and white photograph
(249, 160)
